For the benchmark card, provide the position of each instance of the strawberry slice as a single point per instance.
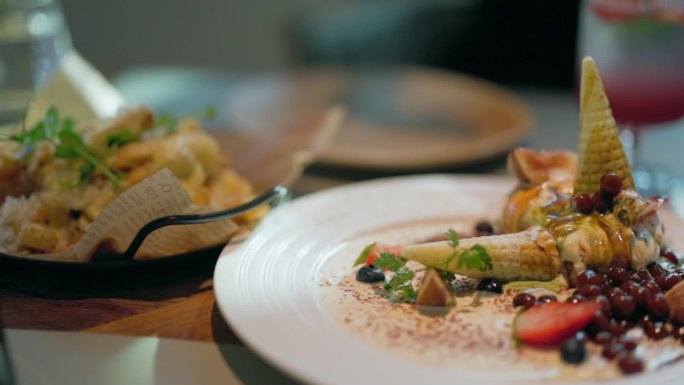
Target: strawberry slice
(554, 322)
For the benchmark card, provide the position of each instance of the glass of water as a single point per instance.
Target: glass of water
(33, 38)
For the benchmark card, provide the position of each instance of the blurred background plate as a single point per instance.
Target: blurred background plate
(399, 118)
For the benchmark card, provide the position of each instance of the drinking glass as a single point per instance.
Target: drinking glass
(33, 38)
(638, 47)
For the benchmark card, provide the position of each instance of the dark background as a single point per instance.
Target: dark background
(511, 42)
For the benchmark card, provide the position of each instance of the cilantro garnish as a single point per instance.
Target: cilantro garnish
(68, 143)
(473, 258)
(399, 287)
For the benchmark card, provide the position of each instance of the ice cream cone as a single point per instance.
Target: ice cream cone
(527, 255)
(600, 151)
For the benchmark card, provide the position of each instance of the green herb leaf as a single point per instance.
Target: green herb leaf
(70, 138)
(453, 237)
(32, 136)
(402, 276)
(483, 256)
(120, 139)
(399, 288)
(66, 153)
(86, 172)
(209, 112)
(389, 261)
(68, 143)
(475, 258)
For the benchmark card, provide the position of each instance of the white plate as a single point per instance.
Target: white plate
(272, 288)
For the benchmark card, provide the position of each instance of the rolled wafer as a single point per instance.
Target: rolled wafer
(600, 151)
(528, 255)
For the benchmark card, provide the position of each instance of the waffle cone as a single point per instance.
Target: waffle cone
(600, 151)
(527, 255)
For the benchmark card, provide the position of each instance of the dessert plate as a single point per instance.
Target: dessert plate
(283, 291)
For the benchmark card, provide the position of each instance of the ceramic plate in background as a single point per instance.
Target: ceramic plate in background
(403, 118)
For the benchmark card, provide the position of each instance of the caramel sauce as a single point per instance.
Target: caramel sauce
(611, 240)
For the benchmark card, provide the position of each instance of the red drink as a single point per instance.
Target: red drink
(638, 46)
(644, 98)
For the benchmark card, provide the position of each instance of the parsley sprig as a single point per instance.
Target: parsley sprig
(476, 257)
(68, 143)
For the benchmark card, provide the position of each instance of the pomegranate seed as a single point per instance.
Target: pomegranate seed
(602, 204)
(583, 204)
(611, 184)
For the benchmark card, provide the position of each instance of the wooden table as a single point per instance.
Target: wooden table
(175, 301)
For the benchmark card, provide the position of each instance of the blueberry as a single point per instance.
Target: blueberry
(484, 228)
(490, 284)
(573, 351)
(370, 274)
